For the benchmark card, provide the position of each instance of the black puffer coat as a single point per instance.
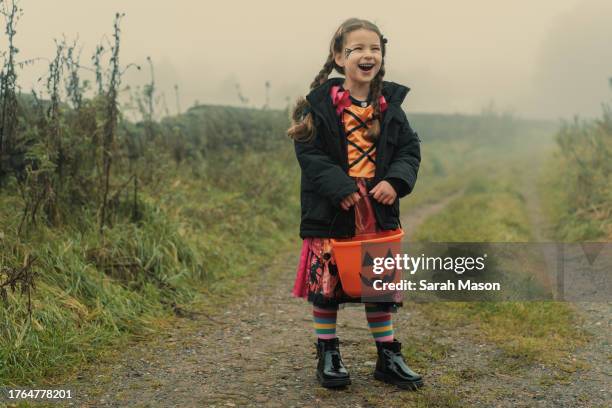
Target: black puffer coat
(324, 163)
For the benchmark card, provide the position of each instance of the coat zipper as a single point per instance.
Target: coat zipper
(383, 127)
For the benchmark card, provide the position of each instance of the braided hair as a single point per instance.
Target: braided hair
(302, 123)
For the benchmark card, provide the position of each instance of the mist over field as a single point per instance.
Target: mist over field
(546, 59)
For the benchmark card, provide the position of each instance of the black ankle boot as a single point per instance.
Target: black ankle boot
(331, 372)
(391, 367)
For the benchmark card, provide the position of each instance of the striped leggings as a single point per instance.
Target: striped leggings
(380, 323)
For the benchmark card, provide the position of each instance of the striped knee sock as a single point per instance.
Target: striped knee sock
(325, 322)
(379, 323)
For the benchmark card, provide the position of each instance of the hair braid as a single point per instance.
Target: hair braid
(376, 91)
(324, 72)
(302, 125)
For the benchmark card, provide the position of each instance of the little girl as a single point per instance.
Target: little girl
(358, 156)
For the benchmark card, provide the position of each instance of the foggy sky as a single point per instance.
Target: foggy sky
(536, 58)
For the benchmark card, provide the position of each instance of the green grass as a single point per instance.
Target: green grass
(488, 211)
(571, 224)
(577, 182)
(199, 237)
(526, 332)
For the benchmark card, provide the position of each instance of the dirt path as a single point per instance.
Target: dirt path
(260, 352)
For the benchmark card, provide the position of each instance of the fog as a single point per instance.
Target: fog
(548, 58)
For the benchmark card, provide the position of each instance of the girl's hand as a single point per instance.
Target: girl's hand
(384, 193)
(350, 200)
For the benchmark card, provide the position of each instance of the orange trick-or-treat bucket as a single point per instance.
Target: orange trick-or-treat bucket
(355, 256)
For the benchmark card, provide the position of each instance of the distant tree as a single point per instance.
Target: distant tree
(178, 101)
(242, 98)
(267, 104)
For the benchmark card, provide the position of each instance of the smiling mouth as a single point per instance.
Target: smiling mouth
(365, 67)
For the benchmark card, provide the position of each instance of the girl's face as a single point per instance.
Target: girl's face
(361, 56)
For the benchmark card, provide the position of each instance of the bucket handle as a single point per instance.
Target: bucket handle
(329, 232)
(399, 220)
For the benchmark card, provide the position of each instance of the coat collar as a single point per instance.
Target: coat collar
(394, 93)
